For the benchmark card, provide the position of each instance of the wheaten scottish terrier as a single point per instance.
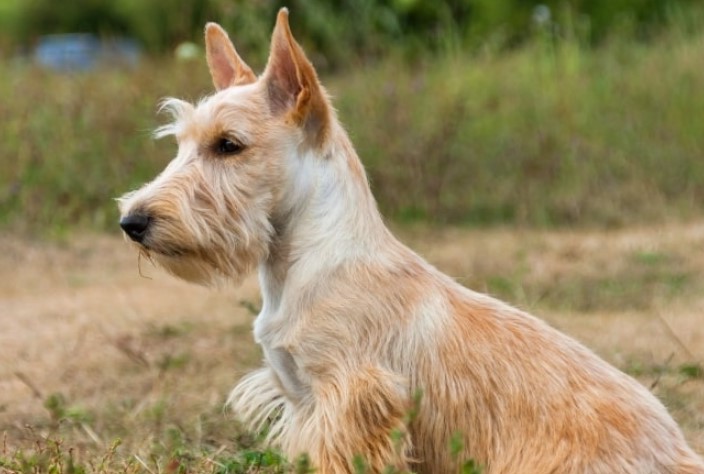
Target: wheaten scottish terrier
(370, 352)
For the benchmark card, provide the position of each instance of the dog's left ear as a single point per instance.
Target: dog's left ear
(292, 83)
(226, 67)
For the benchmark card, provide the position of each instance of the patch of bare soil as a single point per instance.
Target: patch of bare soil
(85, 337)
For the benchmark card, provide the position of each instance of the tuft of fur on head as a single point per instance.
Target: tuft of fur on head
(180, 111)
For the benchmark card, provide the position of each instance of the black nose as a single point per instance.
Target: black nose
(135, 226)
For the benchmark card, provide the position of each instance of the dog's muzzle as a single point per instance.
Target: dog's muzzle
(135, 226)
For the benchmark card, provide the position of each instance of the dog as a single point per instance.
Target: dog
(372, 356)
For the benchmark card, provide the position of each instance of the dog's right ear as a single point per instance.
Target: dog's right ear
(292, 83)
(226, 67)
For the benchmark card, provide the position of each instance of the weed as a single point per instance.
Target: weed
(59, 410)
(691, 370)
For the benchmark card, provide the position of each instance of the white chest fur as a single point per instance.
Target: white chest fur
(294, 382)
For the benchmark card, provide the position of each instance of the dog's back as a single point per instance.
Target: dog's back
(519, 396)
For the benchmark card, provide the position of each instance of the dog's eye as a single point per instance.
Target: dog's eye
(225, 146)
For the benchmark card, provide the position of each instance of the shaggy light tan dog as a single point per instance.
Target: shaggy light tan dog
(370, 352)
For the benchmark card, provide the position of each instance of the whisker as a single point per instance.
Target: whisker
(139, 263)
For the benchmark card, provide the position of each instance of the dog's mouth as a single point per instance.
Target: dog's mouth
(144, 235)
(164, 243)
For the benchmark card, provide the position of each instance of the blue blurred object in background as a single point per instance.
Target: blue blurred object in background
(82, 52)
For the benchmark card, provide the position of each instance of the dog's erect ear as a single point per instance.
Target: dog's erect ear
(292, 83)
(226, 67)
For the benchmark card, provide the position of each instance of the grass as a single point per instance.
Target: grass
(538, 137)
(627, 283)
(112, 373)
(546, 135)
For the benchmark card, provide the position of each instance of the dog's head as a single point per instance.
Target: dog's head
(211, 214)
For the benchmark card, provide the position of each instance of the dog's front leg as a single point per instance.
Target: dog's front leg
(359, 417)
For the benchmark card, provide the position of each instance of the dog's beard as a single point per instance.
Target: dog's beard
(193, 269)
(211, 264)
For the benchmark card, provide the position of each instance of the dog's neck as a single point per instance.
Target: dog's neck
(328, 218)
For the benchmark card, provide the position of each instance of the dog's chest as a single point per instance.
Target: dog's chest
(294, 381)
(272, 331)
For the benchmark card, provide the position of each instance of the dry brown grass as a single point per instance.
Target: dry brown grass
(90, 351)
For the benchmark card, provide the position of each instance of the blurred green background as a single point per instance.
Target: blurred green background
(482, 112)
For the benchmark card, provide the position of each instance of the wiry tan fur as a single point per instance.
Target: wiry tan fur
(354, 324)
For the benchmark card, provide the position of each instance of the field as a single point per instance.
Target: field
(93, 352)
(565, 179)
